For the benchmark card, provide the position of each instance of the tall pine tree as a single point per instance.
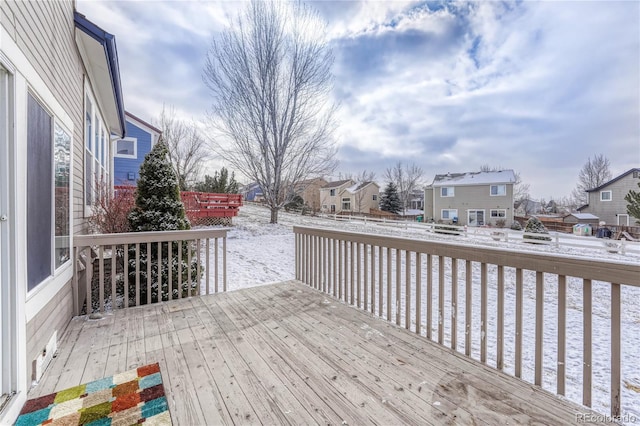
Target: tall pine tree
(220, 183)
(159, 208)
(633, 208)
(390, 201)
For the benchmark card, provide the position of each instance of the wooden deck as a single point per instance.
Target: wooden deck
(287, 354)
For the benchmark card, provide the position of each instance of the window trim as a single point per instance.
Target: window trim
(93, 146)
(448, 211)
(497, 210)
(497, 186)
(135, 148)
(332, 193)
(606, 192)
(447, 188)
(375, 197)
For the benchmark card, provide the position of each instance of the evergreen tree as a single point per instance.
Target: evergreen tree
(633, 208)
(159, 208)
(534, 226)
(390, 200)
(220, 183)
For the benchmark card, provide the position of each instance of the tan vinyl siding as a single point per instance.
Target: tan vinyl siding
(473, 197)
(45, 34)
(428, 205)
(54, 316)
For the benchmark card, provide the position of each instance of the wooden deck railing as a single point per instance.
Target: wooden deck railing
(394, 278)
(147, 267)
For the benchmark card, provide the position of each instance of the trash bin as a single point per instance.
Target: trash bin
(582, 229)
(419, 218)
(603, 232)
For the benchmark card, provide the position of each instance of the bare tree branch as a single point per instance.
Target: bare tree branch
(406, 178)
(269, 74)
(187, 148)
(594, 173)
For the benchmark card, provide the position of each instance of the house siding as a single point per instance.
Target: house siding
(326, 199)
(123, 166)
(472, 197)
(428, 205)
(608, 211)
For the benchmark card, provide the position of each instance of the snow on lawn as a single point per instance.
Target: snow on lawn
(260, 253)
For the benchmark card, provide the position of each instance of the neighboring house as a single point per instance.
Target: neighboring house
(416, 200)
(527, 207)
(473, 199)
(607, 201)
(60, 103)
(131, 150)
(252, 192)
(347, 196)
(309, 190)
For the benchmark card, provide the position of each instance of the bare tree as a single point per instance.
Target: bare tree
(270, 77)
(594, 173)
(187, 148)
(406, 178)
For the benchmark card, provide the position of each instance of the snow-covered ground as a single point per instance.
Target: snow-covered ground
(260, 253)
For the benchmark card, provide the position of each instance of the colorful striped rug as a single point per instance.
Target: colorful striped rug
(136, 396)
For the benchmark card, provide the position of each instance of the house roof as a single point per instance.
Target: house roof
(336, 184)
(615, 179)
(358, 186)
(583, 216)
(474, 178)
(150, 127)
(100, 56)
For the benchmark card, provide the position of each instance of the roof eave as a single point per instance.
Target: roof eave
(102, 66)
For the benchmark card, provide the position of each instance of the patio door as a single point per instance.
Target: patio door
(623, 219)
(7, 286)
(475, 218)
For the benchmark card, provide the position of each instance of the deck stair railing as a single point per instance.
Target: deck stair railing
(112, 271)
(432, 288)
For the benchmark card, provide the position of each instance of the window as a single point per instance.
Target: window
(333, 208)
(332, 192)
(498, 213)
(96, 156)
(346, 204)
(48, 217)
(447, 191)
(605, 195)
(324, 207)
(127, 148)
(498, 190)
(450, 214)
(375, 197)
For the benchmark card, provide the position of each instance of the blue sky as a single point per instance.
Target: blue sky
(450, 86)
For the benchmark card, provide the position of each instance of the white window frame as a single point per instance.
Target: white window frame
(498, 187)
(97, 148)
(345, 201)
(451, 216)
(447, 191)
(332, 193)
(135, 148)
(621, 215)
(375, 197)
(497, 212)
(606, 192)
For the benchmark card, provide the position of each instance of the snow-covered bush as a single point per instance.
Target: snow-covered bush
(516, 226)
(159, 208)
(534, 226)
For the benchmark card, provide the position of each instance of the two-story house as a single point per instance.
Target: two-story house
(130, 151)
(607, 201)
(309, 191)
(473, 198)
(347, 196)
(60, 105)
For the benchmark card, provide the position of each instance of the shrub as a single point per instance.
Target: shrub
(501, 223)
(450, 230)
(534, 226)
(110, 209)
(516, 226)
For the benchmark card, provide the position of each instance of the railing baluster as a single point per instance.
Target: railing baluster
(208, 263)
(562, 330)
(159, 268)
(101, 276)
(418, 293)
(441, 268)
(297, 252)
(114, 273)
(389, 284)
(398, 304)
(539, 328)
(365, 262)
(429, 295)
(216, 260)
(352, 272)
(180, 269)
(137, 274)
(518, 348)
(468, 275)
(500, 336)
(189, 261)
(587, 344)
(74, 285)
(323, 261)
(340, 268)
(407, 290)
(334, 264)
(358, 275)
(126, 275)
(372, 307)
(199, 267)
(224, 263)
(483, 313)
(615, 350)
(454, 303)
(380, 281)
(149, 273)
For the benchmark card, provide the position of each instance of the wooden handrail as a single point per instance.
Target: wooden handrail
(344, 264)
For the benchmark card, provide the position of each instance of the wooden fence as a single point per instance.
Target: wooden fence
(394, 278)
(147, 267)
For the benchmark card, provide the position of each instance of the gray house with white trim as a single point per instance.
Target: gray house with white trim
(472, 198)
(607, 201)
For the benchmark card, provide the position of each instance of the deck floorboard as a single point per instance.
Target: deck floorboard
(287, 354)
